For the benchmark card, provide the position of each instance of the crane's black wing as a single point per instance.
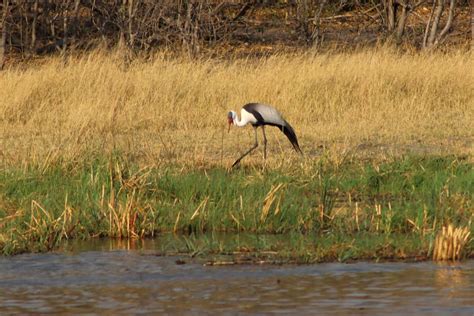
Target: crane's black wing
(290, 133)
(268, 115)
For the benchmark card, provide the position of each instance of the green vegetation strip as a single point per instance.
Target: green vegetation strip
(326, 210)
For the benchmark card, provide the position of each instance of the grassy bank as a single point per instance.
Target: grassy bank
(353, 209)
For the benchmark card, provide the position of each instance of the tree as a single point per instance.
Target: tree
(3, 36)
(396, 13)
(308, 16)
(433, 36)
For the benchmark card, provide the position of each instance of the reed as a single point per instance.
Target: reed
(450, 243)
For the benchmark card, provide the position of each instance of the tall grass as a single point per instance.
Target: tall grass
(112, 197)
(170, 109)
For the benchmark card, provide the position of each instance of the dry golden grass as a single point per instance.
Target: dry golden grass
(450, 242)
(174, 110)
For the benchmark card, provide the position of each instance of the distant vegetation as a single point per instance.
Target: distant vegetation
(32, 28)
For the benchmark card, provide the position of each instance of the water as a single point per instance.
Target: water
(109, 278)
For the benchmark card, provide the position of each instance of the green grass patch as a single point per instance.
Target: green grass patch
(331, 211)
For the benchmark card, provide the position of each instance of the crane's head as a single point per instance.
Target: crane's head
(230, 119)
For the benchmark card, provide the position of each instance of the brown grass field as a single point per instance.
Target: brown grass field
(173, 110)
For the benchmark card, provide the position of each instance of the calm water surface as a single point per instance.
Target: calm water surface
(107, 278)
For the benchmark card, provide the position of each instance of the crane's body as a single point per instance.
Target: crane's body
(258, 114)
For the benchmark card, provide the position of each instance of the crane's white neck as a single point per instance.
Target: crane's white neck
(237, 121)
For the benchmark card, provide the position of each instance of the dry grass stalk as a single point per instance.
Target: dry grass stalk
(356, 214)
(200, 208)
(415, 226)
(378, 212)
(236, 221)
(122, 217)
(450, 242)
(269, 199)
(47, 228)
(175, 228)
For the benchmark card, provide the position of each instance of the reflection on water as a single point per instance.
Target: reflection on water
(109, 277)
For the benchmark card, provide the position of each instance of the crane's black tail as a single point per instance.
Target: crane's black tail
(290, 133)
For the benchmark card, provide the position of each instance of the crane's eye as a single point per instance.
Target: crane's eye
(230, 116)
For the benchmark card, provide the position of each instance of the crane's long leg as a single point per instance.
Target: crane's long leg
(264, 143)
(248, 151)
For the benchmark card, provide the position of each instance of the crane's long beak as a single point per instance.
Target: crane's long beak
(229, 122)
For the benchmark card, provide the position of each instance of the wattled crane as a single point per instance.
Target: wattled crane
(258, 114)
